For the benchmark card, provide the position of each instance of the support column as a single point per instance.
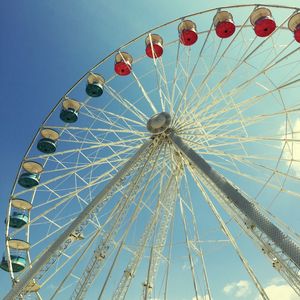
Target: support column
(241, 203)
(74, 226)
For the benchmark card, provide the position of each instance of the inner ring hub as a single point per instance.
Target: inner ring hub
(159, 122)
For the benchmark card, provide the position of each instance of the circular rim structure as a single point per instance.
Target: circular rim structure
(189, 159)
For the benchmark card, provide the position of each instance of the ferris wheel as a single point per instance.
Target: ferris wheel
(170, 167)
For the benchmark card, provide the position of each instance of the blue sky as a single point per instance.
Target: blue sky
(47, 45)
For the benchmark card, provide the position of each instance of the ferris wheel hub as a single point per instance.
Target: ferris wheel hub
(158, 123)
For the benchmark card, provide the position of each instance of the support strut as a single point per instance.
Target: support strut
(75, 226)
(249, 212)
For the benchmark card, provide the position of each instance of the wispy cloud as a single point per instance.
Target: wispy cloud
(291, 149)
(280, 292)
(205, 297)
(239, 289)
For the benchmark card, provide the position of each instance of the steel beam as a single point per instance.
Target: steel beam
(82, 217)
(248, 208)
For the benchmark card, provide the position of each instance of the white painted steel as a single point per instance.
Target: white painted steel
(75, 226)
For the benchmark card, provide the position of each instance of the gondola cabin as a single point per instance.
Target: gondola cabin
(262, 22)
(95, 83)
(19, 214)
(187, 33)
(70, 110)
(31, 175)
(224, 25)
(294, 26)
(18, 251)
(154, 46)
(123, 62)
(47, 143)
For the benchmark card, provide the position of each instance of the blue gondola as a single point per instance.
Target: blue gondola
(94, 87)
(18, 219)
(28, 180)
(70, 110)
(18, 263)
(69, 115)
(31, 177)
(46, 145)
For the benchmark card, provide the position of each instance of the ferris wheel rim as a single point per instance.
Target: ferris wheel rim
(124, 46)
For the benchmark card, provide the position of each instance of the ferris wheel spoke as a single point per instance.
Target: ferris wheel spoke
(44, 259)
(242, 86)
(71, 217)
(272, 170)
(229, 203)
(95, 130)
(195, 245)
(177, 105)
(76, 169)
(168, 259)
(211, 119)
(125, 281)
(213, 126)
(109, 114)
(270, 173)
(241, 157)
(146, 96)
(231, 94)
(84, 246)
(159, 80)
(232, 139)
(175, 77)
(255, 179)
(127, 104)
(112, 122)
(94, 146)
(131, 268)
(232, 240)
(234, 69)
(185, 66)
(59, 201)
(162, 230)
(225, 112)
(174, 85)
(250, 102)
(88, 244)
(191, 262)
(164, 79)
(214, 65)
(103, 249)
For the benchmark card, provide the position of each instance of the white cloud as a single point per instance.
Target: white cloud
(185, 267)
(277, 281)
(277, 289)
(238, 289)
(291, 149)
(205, 297)
(280, 292)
